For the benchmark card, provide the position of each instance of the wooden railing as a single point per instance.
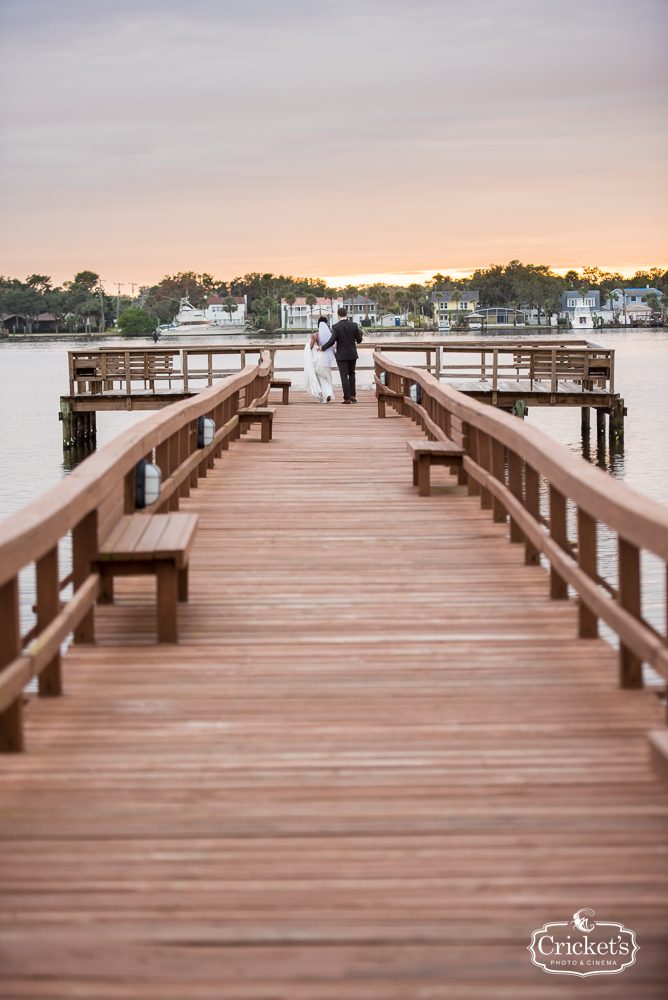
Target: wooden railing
(88, 504)
(507, 463)
(547, 360)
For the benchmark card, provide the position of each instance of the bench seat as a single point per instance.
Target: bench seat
(284, 384)
(259, 414)
(428, 453)
(146, 545)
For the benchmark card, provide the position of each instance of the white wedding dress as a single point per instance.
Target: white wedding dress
(318, 366)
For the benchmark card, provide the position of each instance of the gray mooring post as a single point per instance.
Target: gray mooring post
(586, 419)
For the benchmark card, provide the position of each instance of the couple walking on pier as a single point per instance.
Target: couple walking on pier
(319, 354)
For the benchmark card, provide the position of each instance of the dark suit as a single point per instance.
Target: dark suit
(345, 335)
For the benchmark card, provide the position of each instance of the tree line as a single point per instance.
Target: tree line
(82, 304)
(79, 305)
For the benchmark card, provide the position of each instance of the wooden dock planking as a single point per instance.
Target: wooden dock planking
(376, 761)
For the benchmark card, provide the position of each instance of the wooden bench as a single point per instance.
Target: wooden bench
(428, 453)
(145, 545)
(254, 415)
(284, 384)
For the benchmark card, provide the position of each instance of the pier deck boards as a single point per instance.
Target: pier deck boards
(376, 761)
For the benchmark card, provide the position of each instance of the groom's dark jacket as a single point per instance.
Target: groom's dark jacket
(344, 334)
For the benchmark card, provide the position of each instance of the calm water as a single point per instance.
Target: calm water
(34, 375)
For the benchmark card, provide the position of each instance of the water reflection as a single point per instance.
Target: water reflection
(75, 455)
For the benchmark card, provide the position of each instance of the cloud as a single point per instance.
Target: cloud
(253, 126)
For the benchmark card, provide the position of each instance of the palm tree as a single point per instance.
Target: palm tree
(351, 292)
(311, 300)
(330, 293)
(231, 306)
(664, 304)
(415, 292)
(652, 300)
(402, 298)
(514, 305)
(290, 298)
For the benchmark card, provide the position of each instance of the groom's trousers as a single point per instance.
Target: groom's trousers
(347, 373)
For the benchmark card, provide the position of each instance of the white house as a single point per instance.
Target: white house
(300, 316)
(216, 312)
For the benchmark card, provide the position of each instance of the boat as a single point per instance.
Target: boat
(191, 320)
(444, 327)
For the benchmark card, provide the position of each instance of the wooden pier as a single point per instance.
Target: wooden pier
(510, 374)
(388, 745)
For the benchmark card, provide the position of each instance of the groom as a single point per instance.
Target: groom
(345, 334)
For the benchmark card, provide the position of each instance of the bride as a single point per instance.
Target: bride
(318, 364)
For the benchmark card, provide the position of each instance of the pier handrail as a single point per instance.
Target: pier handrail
(504, 464)
(534, 358)
(89, 502)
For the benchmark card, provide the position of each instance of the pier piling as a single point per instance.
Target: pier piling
(600, 422)
(616, 427)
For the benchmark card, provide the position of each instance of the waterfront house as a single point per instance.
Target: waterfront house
(16, 323)
(445, 306)
(628, 304)
(300, 316)
(503, 316)
(216, 311)
(361, 310)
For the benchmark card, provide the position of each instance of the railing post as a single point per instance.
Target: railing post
(173, 459)
(554, 372)
(515, 487)
(84, 547)
(587, 558)
(192, 434)
(162, 460)
(499, 472)
(474, 452)
(48, 606)
(226, 415)
(11, 720)
(558, 586)
(532, 504)
(184, 452)
(630, 666)
(129, 492)
(485, 459)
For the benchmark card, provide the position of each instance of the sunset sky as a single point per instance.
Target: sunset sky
(331, 137)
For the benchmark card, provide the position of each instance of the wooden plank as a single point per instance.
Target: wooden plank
(125, 538)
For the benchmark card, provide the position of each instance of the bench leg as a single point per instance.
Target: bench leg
(415, 472)
(166, 573)
(183, 585)
(106, 592)
(266, 429)
(381, 406)
(424, 467)
(286, 395)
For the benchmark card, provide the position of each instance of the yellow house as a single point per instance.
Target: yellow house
(453, 301)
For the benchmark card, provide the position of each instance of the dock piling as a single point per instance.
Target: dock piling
(600, 422)
(616, 427)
